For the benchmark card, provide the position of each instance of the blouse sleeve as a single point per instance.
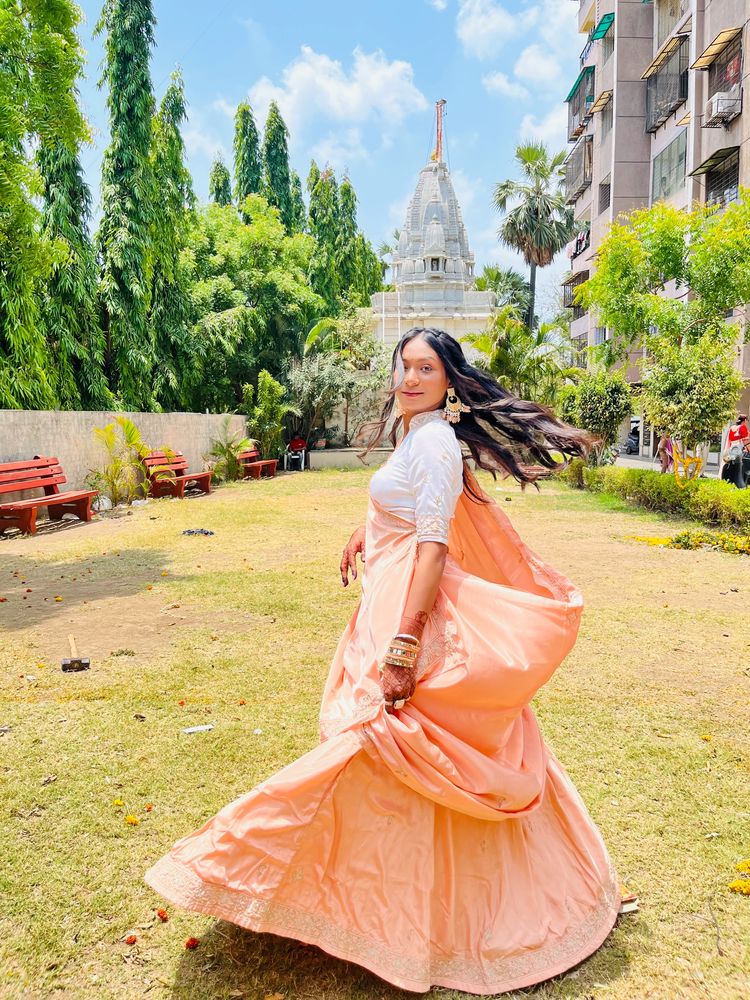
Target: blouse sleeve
(436, 480)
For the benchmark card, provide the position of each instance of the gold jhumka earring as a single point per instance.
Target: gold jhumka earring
(454, 407)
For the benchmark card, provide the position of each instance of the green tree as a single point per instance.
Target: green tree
(251, 299)
(368, 272)
(317, 384)
(532, 364)
(692, 391)
(276, 175)
(247, 162)
(705, 250)
(124, 236)
(601, 402)
(267, 409)
(41, 58)
(170, 317)
(219, 184)
(324, 227)
(539, 223)
(510, 287)
(347, 234)
(299, 212)
(69, 301)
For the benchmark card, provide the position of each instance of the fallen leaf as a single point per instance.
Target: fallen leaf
(49, 779)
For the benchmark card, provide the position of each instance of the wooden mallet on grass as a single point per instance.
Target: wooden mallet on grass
(75, 662)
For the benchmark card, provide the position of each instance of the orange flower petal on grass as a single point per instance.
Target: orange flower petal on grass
(131, 939)
(148, 807)
(192, 943)
(162, 915)
(132, 820)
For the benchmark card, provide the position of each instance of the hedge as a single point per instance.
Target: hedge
(712, 501)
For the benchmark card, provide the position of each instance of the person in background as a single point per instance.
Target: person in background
(739, 433)
(664, 451)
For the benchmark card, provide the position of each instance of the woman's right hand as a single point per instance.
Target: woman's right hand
(356, 544)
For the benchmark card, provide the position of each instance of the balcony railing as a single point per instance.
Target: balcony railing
(580, 101)
(667, 89)
(579, 168)
(569, 293)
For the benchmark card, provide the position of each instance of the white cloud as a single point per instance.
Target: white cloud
(551, 129)
(340, 150)
(466, 189)
(498, 83)
(484, 26)
(314, 85)
(201, 140)
(538, 65)
(220, 104)
(438, 4)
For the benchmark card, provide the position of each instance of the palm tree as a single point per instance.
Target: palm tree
(533, 364)
(539, 223)
(509, 285)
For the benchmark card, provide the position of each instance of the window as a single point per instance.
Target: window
(725, 71)
(668, 13)
(605, 195)
(608, 43)
(723, 181)
(600, 335)
(578, 168)
(580, 101)
(669, 169)
(667, 88)
(606, 119)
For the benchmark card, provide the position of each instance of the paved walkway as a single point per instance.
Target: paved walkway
(642, 462)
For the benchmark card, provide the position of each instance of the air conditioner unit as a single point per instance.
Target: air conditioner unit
(723, 107)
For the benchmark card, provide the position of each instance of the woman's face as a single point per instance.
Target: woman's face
(425, 382)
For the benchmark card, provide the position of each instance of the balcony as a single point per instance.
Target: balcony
(570, 286)
(667, 86)
(579, 168)
(580, 101)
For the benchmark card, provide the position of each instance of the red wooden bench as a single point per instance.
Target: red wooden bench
(45, 474)
(168, 475)
(253, 466)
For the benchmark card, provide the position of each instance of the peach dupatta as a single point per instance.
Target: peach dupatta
(443, 845)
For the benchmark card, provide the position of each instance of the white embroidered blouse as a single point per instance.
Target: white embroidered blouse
(422, 480)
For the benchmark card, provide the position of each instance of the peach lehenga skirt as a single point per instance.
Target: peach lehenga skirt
(443, 845)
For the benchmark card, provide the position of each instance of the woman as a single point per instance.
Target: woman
(432, 837)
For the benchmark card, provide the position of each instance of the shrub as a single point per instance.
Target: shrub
(709, 500)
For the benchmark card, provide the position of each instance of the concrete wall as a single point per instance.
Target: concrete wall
(68, 435)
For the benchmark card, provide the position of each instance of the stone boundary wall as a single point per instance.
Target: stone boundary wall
(68, 435)
(346, 458)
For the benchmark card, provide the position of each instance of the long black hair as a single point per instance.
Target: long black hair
(504, 434)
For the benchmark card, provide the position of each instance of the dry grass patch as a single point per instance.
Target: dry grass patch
(649, 714)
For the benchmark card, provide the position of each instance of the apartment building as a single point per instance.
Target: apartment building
(655, 114)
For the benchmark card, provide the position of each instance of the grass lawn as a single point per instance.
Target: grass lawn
(649, 714)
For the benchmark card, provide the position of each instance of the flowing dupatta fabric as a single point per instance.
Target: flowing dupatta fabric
(444, 844)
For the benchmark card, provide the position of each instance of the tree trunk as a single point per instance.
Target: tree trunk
(532, 295)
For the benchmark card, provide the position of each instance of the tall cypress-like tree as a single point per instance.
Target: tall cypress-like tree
(219, 183)
(347, 235)
(313, 176)
(299, 212)
(324, 224)
(69, 306)
(170, 316)
(41, 58)
(124, 237)
(276, 176)
(247, 163)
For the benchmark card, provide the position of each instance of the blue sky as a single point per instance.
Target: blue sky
(357, 84)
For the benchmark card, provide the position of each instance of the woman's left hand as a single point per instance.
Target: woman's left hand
(397, 683)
